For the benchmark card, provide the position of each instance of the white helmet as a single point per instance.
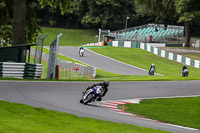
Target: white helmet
(153, 64)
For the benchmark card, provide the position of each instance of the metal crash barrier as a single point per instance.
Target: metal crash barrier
(20, 70)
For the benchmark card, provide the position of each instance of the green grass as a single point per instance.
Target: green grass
(179, 111)
(193, 56)
(143, 59)
(70, 37)
(18, 118)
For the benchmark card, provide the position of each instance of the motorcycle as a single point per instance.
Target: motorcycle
(81, 53)
(151, 72)
(91, 95)
(185, 73)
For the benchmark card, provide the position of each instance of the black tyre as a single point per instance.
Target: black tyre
(81, 101)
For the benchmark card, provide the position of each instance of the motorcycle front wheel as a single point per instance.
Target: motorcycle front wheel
(88, 99)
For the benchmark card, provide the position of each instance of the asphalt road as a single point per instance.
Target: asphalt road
(102, 62)
(64, 97)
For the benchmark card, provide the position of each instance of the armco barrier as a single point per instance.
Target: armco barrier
(10, 69)
(20, 70)
(33, 71)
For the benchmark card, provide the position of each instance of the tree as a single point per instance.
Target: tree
(189, 12)
(104, 13)
(186, 11)
(19, 22)
(24, 26)
(5, 28)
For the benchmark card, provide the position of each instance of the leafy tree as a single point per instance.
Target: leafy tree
(21, 15)
(189, 12)
(104, 13)
(5, 28)
(186, 11)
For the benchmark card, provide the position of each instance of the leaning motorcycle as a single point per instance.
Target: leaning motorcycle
(185, 73)
(81, 53)
(91, 95)
(151, 72)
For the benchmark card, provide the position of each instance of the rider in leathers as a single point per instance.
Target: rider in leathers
(105, 85)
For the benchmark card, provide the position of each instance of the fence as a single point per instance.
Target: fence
(67, 66)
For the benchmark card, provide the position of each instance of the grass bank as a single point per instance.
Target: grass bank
(71, 37)
(179, 111)
(143, 59)
(18, 118)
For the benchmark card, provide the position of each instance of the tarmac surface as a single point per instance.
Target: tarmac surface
(64, 97)
(102, 62)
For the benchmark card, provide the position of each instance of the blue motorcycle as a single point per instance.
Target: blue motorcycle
(91, 95)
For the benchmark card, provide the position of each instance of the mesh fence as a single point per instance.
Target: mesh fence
(39, 48)
(67, 68)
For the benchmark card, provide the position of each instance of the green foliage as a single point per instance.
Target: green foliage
(184, 10)
(64, 5)
(32, 27)
(162, 9)
(6, 13)
(5, 23)
(180, 111)
(188, 10)
(104, 13)
(5, 35)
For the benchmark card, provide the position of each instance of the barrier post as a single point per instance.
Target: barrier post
(58, 72)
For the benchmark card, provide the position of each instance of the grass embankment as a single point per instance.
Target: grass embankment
(71, 37)
(18, 118)
(143, 59)
(180, 111)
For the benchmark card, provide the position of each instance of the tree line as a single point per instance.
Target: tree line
(20, 20)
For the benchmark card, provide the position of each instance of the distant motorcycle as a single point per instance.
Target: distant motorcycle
(185, 73)
(81, 53)
(91, 95)
(151, 71)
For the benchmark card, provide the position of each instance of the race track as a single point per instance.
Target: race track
(64, 96)
(102, 62)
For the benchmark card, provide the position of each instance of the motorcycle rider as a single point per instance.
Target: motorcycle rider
(152, 69)
(184, 70)
(184, 67)
(104, 85)
(81, 49)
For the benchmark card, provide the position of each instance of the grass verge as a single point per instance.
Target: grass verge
(179, 111)
(18, 118)
(70, 37)
(143, 59)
